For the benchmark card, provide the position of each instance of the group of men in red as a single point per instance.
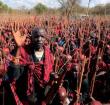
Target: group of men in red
(55, 62)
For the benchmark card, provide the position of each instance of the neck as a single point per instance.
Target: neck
(39, 49)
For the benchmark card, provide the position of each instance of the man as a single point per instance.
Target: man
(32, 71)
(43, 65)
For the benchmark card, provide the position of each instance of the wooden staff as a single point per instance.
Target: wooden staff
(80, 76)
(94, 76)
(104, 46)
(57, 59)
(99, 30)
(80, 81)
(89, 59)
(96, 66)
(68, 47)
(55, 86)
(56, 62)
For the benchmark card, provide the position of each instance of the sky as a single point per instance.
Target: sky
(50, 3)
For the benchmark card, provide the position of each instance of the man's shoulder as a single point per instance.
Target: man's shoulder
(24, 52)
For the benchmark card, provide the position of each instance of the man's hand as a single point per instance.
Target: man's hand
(18, 35)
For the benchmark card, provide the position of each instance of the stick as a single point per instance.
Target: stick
(94, 76)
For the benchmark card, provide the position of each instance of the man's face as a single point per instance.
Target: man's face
(38, 38)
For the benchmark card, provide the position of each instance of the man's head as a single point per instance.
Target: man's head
(38, 37)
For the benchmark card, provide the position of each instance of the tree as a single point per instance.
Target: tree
(98, 10)
(3, 7)
(68, 6)
(107, 8)
(40, 8)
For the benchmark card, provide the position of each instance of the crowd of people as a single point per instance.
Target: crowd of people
(54, 61)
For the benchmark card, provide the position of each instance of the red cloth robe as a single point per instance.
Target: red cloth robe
(48, 62)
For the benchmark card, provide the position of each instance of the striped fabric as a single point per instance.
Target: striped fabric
(48, 65)
(13, 89)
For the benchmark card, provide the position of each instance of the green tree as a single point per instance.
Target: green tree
(3, 7)
(40, 8)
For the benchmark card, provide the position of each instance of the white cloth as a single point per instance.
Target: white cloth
(39, 54)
